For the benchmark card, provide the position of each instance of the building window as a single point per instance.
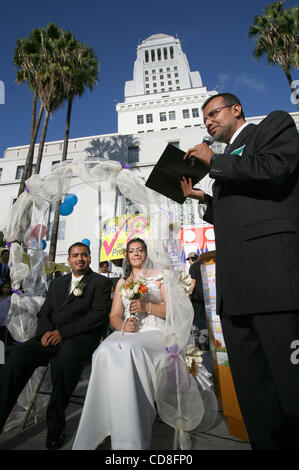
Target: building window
(163, 116)
(19, 172)
(176, 74)
(169, 82)
(165, 52)
(61, 230)
(1, 169)
(171, 52)
(146, 56)
(146, 72)
(149, 118)
(160, 70)
(162, 83)
(161, 76)
(147, 85)
(154, 84)
(133, 154)
(159, 54)
(186, 113)
(140, 119)
(195, 113)
(146, 79)
(171, 115)
(154, 77)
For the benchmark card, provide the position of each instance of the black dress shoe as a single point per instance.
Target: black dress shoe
(53, 444)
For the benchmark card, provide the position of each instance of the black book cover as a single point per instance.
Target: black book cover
(171, 167)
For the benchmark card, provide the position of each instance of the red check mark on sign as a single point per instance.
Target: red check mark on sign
(108, 246)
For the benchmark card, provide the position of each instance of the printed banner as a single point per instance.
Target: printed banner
(118, 231)
(213, 320)
(198, 238)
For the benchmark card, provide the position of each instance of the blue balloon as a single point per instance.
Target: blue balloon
(71, 199)
(85, 241)
(65, 208)
(44, 244)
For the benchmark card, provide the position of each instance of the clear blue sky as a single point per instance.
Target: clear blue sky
(213, 36)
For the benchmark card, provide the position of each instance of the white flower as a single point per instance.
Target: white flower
(79, 287)
(193, 357)
(77, 292)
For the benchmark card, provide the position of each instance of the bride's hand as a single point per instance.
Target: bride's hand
(131, 325)
(136, 306)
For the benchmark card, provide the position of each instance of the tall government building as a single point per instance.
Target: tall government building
(162, 105)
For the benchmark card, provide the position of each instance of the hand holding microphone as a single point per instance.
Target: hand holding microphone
(201, 152)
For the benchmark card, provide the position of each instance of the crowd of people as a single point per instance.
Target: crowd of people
(254, 211)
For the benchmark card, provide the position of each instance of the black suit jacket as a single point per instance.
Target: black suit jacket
(255, 212)
(73, 315)
(7, 278)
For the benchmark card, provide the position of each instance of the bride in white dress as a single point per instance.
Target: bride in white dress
(120, 399)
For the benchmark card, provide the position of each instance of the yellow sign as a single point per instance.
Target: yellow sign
(118, 231)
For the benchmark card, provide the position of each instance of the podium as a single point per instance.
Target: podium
(224, 386)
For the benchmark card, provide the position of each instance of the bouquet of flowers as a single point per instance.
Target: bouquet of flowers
(133, 290)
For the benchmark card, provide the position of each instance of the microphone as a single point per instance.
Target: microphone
(208, 139)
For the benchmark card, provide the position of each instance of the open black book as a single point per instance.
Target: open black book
(171, 167)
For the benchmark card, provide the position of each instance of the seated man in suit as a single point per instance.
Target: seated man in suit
(254, 211)
(70, 325)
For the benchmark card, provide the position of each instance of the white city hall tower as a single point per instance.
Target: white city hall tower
(164, 94)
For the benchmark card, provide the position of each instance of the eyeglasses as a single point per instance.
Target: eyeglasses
(214, 112)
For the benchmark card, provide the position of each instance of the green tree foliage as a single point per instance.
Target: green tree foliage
(277, 35)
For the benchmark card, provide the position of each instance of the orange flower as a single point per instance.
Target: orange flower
(142, 289)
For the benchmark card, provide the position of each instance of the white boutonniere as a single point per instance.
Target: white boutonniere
(79, 289)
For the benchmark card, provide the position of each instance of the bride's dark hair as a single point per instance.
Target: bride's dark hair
(127, 268)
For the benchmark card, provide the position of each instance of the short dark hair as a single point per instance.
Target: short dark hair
(228, 98)
(78, 244)
(102, 263)
(4, 251)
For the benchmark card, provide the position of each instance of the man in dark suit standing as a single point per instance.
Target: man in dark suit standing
(255, 212)
(70, 325)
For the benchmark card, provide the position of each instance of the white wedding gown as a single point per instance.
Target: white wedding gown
(120, 399)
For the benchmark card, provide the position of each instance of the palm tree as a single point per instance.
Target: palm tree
(26, 58)
(50, 78)
(81, 68)
(277, 34)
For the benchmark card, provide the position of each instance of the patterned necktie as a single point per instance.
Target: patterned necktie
(227, 148)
